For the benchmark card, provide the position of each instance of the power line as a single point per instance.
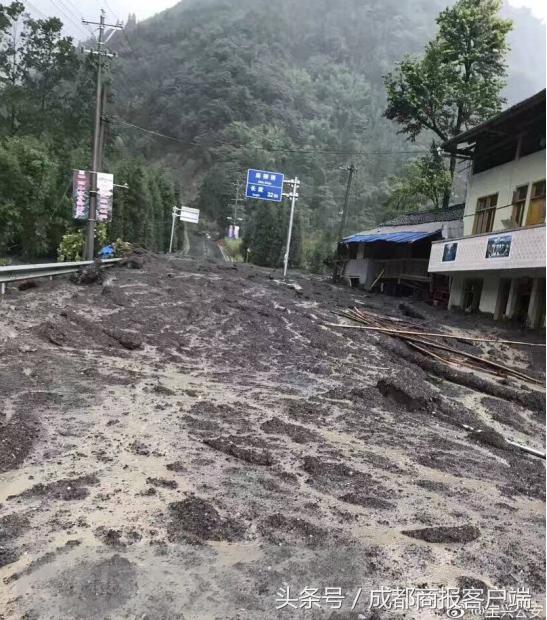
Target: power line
(36, 9)
(111, 10)
(152, 132)
(267, 149)
(66, 15)
(74, 10)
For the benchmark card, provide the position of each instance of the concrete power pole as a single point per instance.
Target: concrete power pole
(97, 146)
(351, 169)
(293, 195)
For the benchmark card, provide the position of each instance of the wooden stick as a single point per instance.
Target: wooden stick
(395, 319)
(407, 338)
(483, 360)
(431, 354)
(380, 275)
(441, 335)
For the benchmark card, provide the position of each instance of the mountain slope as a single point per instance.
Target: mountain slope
(262, 83)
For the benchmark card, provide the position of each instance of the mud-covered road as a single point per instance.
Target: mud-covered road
(191, 440)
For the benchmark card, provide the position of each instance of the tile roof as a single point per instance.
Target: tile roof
(454, 212)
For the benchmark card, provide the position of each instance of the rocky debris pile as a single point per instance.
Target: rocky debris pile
(233, 446)
(445, 534)
(89, 274)
(194, 519)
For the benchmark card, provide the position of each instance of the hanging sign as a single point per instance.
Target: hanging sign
(105, 196)
(80, 194)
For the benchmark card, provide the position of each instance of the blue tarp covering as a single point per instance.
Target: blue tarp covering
(399, 237)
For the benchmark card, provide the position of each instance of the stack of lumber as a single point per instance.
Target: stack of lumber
(437, 345)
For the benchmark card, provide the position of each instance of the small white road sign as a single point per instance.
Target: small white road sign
(189, 215)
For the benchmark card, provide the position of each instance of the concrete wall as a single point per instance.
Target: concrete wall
(365, 269)
(503, 180)
(527, 252)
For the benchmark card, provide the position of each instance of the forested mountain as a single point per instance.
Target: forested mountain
(283, 85)
(254, 83)
(207, 89)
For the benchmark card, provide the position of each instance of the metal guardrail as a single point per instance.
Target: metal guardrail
(12, 273)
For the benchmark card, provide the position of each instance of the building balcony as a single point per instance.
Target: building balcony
(519, 248)
(403, 268)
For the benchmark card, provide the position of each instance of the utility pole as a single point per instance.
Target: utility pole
(236, 203)
(102, 131)
(174, 215)
(293, 195)
(235, 206)
(351, 169)
(97, 155)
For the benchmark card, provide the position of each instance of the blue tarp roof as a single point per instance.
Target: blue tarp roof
(399, 237)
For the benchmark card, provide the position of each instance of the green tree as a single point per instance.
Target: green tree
(29, 202)
(36, 65)
(457, 83)
(424, 182)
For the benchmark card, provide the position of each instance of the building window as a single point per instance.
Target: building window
(519, 202)
(536, 208)
(484, 215)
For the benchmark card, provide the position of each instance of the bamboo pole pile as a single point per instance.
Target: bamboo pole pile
(434, 344)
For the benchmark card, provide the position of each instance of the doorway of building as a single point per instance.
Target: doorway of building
(472, 294)
(503, 297)
(524, 292)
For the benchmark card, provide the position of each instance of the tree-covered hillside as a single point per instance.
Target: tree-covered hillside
(209, 88)
(283, 85)
(288, 86)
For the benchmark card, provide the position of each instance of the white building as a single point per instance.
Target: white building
(498, 266)
(394, 256)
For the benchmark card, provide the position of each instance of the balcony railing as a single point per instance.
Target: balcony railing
(404, 268)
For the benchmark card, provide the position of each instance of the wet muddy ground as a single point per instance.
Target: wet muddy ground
(189, 439)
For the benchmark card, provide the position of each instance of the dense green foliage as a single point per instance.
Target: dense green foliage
(295, 87)
(43, 125)
(458, 82)
(72, 245)
(425, 181)
(46, 111)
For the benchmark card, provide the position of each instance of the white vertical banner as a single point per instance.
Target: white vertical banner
(80, 194)
(105, 196)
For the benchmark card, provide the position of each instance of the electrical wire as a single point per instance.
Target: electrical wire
(67, 16)
(35, 9)
(270, 150)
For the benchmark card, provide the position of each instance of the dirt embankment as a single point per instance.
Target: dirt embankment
(182, 440)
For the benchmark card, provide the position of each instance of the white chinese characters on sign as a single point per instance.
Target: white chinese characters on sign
(80, 194)
(105, 196)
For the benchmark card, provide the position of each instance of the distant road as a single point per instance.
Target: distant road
(201, 247)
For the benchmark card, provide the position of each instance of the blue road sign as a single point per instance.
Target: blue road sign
(264, 185)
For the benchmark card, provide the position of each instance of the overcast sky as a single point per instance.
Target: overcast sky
(71, 11)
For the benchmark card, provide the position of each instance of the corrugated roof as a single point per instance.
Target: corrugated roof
(454, 212)
(398, 237)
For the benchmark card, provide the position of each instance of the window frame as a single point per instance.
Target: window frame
(484, 216)
(519, 204)
(537, 197)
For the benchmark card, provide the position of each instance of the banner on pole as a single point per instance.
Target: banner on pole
(105, 196)
(80, 194)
